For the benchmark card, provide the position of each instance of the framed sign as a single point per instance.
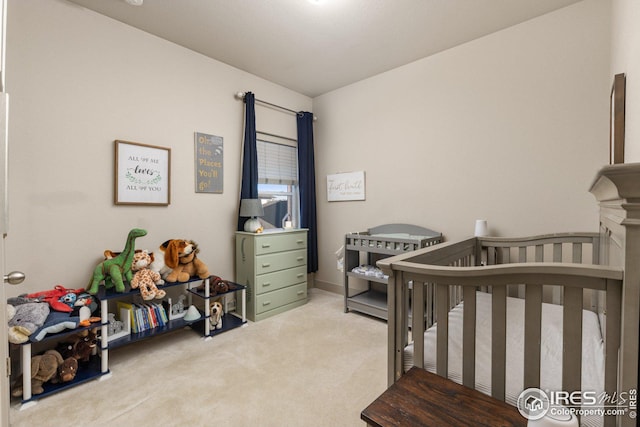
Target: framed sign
(616, 120)
(346, 186)
(142, 174)
(209, 155)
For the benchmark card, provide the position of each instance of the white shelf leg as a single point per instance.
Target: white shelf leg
(26, 371)
(104, 340)
(207, 309)
(244, 305)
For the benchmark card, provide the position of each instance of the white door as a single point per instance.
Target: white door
(5, 365)
(12, 278)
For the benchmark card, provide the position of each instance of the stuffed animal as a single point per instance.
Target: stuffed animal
(114, 271)
(216, 312)
(217, 285)
(59, 298)
(181, 257)
(66, 371)
(145, 278)
(158, 265)
(44, 367)
(27, 318)
(80, 346)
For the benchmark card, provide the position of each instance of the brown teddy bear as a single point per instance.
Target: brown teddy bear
(44, 367)
(181, 257)
(80, 346)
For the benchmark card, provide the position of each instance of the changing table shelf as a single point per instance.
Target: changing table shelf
(363, 249)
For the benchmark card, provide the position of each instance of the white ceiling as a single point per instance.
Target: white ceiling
(315, 47)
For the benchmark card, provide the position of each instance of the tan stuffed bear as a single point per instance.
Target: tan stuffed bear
(181, 257)
(44, 367)
(145, 278)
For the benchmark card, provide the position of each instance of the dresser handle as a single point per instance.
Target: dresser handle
(300, 275)
(299, 242)
(300, 292)
(265, 284)
(266, 245)
(300, 258)
(266, 303)
(265, 265)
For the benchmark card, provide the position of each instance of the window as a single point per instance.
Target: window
(278, 182)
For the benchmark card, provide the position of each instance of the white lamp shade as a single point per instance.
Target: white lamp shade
(481, 228)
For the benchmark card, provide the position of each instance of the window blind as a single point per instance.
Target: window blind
(277, 163)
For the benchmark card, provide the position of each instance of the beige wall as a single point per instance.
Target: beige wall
(77, 82)
(510, 128)
(625, 59)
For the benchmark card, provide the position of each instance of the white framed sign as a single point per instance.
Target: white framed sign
(142, 174)
(346, 186)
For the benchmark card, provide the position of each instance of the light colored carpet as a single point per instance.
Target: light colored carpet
(311, 366)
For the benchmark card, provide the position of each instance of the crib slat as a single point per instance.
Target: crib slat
(498, 341)
(577, 253)
(532, 322)
(491, 255)
(572, 339)
(612, 341)
(522, 254)
(469, 337)
(442, 342)
(397, 325)
(557, 252)
(539, 253)
(417, 323)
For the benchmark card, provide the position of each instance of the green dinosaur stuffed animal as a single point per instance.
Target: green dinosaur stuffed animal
(113, 271)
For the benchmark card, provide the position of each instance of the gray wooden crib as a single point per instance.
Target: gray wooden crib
(555, 312)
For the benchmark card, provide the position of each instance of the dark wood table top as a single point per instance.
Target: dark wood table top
(420, 398)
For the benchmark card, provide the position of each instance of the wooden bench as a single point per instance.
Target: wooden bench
(420, 398)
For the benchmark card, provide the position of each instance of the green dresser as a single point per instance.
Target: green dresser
(273, 266)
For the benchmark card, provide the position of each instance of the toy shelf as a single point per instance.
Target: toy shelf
(87, 371)
(98, 366)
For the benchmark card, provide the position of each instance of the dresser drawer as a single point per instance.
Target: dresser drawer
(280, 279)
(280, 261)
(275, 299)
(271, 243)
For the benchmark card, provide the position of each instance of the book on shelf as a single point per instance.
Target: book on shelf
(122, 305)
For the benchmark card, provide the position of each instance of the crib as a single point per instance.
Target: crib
(554, 312)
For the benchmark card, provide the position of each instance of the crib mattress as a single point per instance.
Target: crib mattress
(551, 349)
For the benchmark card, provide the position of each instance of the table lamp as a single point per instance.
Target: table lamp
(252, 209)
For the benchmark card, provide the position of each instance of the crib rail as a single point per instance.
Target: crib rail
(442, 275)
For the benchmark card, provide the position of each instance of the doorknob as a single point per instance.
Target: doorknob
(14, 278)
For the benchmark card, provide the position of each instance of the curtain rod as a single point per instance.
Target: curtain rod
(240, 95)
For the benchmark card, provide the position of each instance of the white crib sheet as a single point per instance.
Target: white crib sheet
(551, 349)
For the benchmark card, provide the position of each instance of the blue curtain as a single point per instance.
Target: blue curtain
(249, 188)
(307, 183)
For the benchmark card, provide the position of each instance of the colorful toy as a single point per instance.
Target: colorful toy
(145, 278)
(59, 298)
(113, 271)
